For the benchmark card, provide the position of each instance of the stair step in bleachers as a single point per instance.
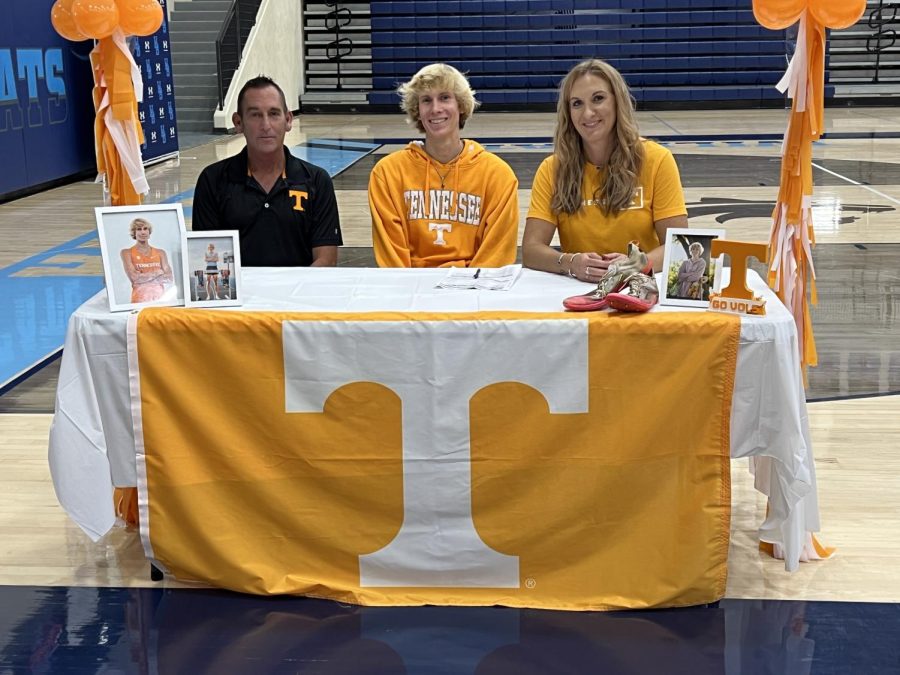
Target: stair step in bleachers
(560, 66)
(576, 34)
(706, 20)
(383, 56)
(647, 79)
(511, 97)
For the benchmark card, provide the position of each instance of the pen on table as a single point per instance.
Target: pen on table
(477, 272)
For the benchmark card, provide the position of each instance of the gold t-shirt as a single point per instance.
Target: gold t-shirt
(658, 196)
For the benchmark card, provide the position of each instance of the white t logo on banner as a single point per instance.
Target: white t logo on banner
(435, 367)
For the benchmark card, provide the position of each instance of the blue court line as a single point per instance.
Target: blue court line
(34, 310)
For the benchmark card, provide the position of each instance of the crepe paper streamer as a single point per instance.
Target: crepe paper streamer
(117, 131)
(813, 549)
(791, 273)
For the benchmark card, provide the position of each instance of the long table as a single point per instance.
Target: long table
(92, 442)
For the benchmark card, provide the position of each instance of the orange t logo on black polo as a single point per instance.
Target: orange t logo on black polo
(298, 196)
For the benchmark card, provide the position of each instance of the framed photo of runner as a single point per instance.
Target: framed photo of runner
(689, 273)
(141, 250)
(212, 269)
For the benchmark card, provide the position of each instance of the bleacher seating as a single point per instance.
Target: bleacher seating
(516, 51)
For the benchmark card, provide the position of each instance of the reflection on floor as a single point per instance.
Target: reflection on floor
(70, 630)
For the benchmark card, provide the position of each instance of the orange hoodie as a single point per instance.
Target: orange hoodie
(428, 214)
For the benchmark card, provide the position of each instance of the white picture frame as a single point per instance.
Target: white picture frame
(198, 259)
(134, 279)
(685, 282)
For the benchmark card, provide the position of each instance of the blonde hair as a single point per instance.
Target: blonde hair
(442, 77)
(696, 244)
(624, 167)
(138, 222)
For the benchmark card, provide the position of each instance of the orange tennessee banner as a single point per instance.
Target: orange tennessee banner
(529, 460)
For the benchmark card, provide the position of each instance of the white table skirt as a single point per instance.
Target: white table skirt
(92, 443)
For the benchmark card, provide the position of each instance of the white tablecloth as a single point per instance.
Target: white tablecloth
(92, 443)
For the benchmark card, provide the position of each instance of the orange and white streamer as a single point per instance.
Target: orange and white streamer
(792, 237)
(118, 134)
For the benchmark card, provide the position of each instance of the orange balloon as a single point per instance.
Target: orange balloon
(837, 13)
(140, 17)
(779, 14)
(96, 18)
(63, 21)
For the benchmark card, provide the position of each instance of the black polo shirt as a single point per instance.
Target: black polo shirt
(278, 229)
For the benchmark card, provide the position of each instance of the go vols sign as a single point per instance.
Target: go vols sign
(395, 459)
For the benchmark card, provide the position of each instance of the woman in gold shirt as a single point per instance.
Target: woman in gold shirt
(604, 185)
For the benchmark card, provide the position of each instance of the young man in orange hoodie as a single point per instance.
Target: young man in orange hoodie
(444, 202)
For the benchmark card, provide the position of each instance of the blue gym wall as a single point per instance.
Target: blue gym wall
(46, 112)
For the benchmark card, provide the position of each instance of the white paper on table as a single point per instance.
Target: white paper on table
(483, 278)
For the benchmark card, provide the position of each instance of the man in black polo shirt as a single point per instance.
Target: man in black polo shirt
(283, 207)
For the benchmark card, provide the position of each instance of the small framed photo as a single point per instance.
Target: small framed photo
(689, 273)
(212, 269)
(141, 250)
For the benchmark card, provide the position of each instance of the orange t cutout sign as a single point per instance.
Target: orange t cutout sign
(739, 251)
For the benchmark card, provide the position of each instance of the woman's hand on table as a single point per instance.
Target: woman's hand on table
(591, 266)
(588, 266)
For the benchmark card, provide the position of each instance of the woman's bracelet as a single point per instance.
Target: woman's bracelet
(571, 260)
(559, 261)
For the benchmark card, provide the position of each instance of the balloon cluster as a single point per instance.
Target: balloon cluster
(778, 14)
(79, 20)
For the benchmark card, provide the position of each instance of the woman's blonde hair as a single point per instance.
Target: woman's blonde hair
(624, 167)
(138, 222)
(441, 77)
(696, 244)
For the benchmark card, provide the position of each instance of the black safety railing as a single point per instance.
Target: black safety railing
(340, 46)
(230, 44)
(884, 36)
